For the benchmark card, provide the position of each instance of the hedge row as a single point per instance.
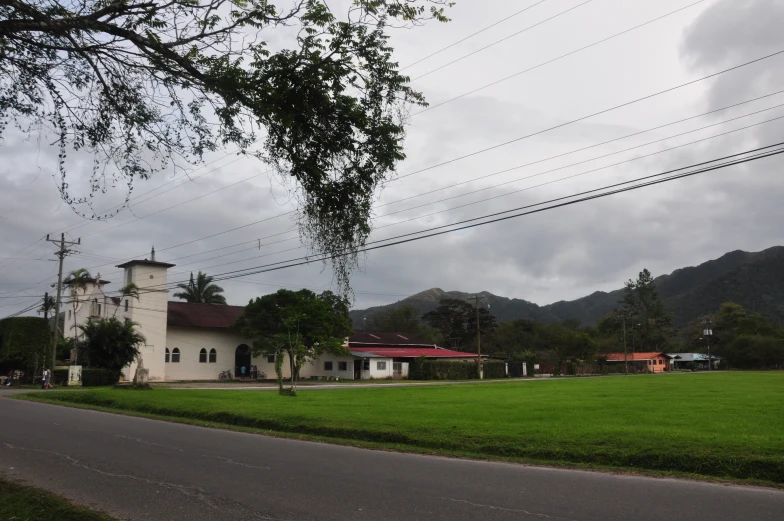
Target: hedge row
(91, 377)
(421, 369)
(94, 377)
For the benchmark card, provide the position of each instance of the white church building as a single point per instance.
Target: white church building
(187, 341)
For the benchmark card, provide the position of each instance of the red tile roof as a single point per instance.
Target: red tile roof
(619, 357)
(411, 352)
(188, 314)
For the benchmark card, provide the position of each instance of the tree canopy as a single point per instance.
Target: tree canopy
(25, 342)
(298, 324)
(648, 322)
(200, 290)
(403, 319)
(149, 86)
(110, 343)
(457, 321)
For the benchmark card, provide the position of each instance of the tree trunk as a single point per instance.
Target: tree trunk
(292, 365)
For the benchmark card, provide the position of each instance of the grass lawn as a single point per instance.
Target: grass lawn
(725, 425)
(22, 503)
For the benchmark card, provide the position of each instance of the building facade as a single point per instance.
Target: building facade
(188, 341)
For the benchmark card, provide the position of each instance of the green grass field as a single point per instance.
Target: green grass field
(725, 425)
(21, 503)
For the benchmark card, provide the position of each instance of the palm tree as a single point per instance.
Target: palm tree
(130, 290)
(77, 280)
(48, 305)
(111, 343)
(201, 291)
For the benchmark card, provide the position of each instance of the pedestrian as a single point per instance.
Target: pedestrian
(43, 379)
(242, 372)
(253, 372)
(10, 378)
(48, 378)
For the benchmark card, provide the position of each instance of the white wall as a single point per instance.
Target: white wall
(316, 367)
(149, 312)
(84, 310)
(190, 341)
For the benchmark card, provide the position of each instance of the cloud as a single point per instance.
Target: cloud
(546, 257)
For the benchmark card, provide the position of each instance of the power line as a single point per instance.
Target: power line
(637, 158)
(178, 204)
(583, 118)
(540, 132)
(431, 107)
(596, 196)
(22, 311)
(502, 40)
(591, 194)
(505, 171)
(472, 35)
(627, 136)
(445, 102)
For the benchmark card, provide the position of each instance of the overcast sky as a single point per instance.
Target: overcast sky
(560, 254)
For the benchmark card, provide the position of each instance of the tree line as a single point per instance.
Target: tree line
(640, 323)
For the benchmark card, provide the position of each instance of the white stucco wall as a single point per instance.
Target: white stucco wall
(317, 367)
(149, 312)
(191, 340)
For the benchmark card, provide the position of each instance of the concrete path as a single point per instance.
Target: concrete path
(140, 469)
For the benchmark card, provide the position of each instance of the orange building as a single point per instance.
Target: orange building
(654, 362)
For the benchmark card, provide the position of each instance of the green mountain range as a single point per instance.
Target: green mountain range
(754, 280)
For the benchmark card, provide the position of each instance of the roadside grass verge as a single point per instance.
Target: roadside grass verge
(23, 503)
(725, 425)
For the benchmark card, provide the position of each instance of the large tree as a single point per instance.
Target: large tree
(298, 324)
(646, 317)
(404, 319)
(457, 321)
(201, 290)
(145, 86)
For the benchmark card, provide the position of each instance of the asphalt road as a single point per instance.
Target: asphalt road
(135, 468)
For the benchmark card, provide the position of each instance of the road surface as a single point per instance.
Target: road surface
(134, 468)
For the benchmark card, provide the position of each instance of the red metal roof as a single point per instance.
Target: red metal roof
(188, 314)
(619, 357)
(411, 352)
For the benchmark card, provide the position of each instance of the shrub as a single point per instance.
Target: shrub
(494, 369)
(93, 377)
(422, 369)
(60, 376)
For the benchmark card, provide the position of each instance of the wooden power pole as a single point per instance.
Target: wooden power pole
(476, 299)
(61, 252)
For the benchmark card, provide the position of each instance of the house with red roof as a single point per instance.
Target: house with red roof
(188, 341)
(654, 362)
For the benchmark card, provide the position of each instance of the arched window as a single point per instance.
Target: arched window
(175, 358)
(203, 356)
(213, 356)
(167, 355)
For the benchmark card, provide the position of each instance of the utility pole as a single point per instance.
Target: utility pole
(625, 357)
(60, 253)
(476, 298)
(707, 332)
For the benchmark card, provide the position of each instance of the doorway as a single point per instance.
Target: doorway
(357, 369)
(241, 359)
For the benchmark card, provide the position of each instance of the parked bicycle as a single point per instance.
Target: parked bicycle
(225, 375)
